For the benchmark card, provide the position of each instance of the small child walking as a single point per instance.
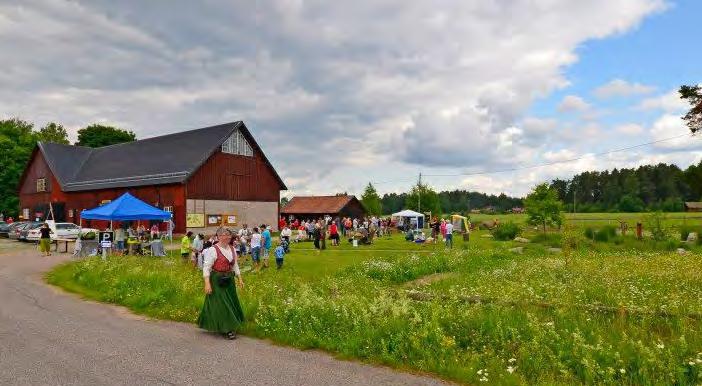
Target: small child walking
(279, 255)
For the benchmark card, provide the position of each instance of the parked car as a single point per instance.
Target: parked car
(15, 229)
(27, 228)
(4, 229)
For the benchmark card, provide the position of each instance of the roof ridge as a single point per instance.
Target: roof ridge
(167, 135)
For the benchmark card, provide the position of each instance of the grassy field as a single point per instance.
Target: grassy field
(618, 312)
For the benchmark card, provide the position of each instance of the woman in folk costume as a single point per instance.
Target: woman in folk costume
(221, 312)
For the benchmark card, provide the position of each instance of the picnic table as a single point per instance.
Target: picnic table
(65, 242)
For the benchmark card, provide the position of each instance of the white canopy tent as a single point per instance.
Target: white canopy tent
(409, 217)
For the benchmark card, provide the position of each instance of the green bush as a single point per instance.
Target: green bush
(590, 233)
(506, 231)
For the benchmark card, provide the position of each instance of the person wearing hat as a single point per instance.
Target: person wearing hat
(221, 311)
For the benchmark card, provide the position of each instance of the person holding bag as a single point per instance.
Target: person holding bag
(221, 311)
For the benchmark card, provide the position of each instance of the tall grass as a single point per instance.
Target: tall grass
(625, 317)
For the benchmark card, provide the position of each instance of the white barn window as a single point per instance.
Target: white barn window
(237, 144)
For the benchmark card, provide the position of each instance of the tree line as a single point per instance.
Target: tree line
(18, 138)
(663, 187)
(423, 198)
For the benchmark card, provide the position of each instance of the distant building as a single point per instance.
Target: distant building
(206, 177)
(517, 210)
(319, 206)
(693, 207)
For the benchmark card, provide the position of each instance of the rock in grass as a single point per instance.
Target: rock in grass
(682, 251)
(518, 250)
(521, 240)
(555, 250)
(692, 237)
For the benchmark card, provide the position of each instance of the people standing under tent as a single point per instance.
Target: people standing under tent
(334, 233)
(221, 311)
(198, 243)
(267, 242)
(449, 234)
(45, 240)
(442, 229)
(186, 246)
(119, 239)
(256, 249)
(154, 230)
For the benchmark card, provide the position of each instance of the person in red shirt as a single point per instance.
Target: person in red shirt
(334, 233)
(282, 223)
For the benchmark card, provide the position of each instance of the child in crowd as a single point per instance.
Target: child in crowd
(279, 254)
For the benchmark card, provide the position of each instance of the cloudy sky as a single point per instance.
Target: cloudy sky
(342, 93)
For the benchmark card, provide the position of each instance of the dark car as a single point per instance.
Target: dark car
(4, 229)
(15, 229)
(25, 230)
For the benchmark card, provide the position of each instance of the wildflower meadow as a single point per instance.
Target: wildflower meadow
(622, 313)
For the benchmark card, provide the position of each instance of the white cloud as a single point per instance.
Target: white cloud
(669, 126)
(367, 90)
(622, 88)
(668, 102)
(573, 103)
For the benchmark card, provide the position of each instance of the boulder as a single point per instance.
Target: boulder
(521, 240)
(692, 237)
(682, 251)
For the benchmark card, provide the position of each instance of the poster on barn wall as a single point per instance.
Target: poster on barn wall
(214, 219)
(195, 220)
(230, 219)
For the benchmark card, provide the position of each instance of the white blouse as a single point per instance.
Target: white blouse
(209, 256)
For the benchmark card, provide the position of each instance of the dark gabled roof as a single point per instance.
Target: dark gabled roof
(317, 204)
(167, 159)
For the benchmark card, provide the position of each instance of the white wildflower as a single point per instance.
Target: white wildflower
(660, 346)
(622, 371)
(511, 369)
(511, 360)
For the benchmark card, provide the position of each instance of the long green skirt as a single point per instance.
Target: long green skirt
(221, 312)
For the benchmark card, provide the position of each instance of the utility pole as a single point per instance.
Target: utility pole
(419, 193)
(573, 199)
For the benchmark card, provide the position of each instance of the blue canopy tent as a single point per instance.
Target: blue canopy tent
(125, 208)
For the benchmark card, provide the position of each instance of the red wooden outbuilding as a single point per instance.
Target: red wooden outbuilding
(206, 177)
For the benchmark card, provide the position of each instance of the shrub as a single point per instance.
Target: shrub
(590, 233)
(506, 231)
(655, 223)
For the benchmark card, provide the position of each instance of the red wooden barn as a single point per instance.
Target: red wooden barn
(206, 177)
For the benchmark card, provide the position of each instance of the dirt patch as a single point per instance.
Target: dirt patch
(429, 279)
